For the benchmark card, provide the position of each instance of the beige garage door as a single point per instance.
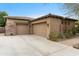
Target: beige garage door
(22, 29)
(40, 29)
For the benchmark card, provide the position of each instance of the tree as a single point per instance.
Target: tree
(71, 9)
(2, 21)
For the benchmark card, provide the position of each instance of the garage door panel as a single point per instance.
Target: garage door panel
(22, 29)
(40, 29)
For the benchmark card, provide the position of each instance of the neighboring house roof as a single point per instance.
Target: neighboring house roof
(54, 16)
(34, 19)
(18, 18)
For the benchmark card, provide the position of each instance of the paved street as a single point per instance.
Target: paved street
(31, 45)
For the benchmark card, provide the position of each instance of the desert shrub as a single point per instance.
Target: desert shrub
(74, 31)
(77, 26)
(77, 29)
(68, 33)
(54, 36)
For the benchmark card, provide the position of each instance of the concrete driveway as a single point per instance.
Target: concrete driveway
(32, 45)
(70, 42)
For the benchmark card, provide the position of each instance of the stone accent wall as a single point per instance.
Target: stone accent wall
(10, 28)
(2, 30)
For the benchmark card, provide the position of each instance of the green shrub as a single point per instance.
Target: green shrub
(77, 30)
(54, 36)
(77, 26)
(74, 31)
(68, 33)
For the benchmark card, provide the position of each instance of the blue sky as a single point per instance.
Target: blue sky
(31, 9)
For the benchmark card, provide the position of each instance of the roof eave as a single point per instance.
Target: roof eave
(55, 16)
(16, 18)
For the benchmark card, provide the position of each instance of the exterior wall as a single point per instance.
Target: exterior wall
(42, 26)
(55, 25)
(72, 24)
(64, 25)
(67, 24)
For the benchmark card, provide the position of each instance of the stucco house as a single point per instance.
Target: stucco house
(39, 26)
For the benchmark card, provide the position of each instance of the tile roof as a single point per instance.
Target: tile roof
(18, 17)
(55, 16)
(34, 19)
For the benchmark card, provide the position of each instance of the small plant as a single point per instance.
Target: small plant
(54, 36)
